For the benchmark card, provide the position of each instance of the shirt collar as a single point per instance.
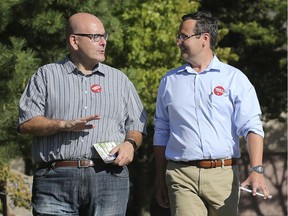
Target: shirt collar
(69, 65)
(214, 66)
(100, 69)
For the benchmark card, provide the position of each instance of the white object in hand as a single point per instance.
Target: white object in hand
(250, 191)
(104, 149)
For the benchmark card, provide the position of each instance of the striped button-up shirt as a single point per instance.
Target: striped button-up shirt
(61, 91)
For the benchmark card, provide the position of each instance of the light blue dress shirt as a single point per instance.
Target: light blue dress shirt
(202, 115)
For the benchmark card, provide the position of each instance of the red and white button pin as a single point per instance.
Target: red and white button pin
(96, 88)
(218, 90)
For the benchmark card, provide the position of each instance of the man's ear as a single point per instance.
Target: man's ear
(206, 39)
(73, 41)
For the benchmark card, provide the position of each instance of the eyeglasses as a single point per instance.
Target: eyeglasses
(94, 37)
(184, 37)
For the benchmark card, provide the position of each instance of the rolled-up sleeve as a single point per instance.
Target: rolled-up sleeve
(161, 120)
(248, 113)
(137, 117)
(32, 101)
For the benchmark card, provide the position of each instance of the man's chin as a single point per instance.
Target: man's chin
(101, 59)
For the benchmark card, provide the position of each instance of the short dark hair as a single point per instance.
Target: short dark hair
(205, 23)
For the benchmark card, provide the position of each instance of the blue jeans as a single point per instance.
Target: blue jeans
(91, 191)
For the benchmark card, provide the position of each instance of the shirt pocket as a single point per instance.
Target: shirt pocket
(219, 97)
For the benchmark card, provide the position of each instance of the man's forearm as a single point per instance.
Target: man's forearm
(255, 149)
(161, 161)
(40, 126)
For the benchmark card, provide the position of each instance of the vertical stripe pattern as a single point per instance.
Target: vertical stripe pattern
(60, 91)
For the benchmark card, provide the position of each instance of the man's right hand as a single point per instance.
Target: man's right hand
(79, 124)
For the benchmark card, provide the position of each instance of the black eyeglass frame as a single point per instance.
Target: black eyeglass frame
(184, 37)
(94, 37)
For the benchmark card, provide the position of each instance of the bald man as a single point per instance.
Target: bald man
(87, 121)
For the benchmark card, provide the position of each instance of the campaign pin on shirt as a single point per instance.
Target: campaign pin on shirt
(218, 90)
(96, 88)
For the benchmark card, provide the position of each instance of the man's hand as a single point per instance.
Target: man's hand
(257, 182)
(79, 124)
(124, 152)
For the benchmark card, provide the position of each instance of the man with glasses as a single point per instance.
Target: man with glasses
(202, 109)
(87, 121)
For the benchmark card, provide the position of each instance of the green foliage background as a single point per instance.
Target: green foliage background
(252, 37)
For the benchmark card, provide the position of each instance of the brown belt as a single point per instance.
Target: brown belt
(211, 163)
(73, 163)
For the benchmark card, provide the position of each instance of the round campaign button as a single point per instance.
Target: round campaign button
(218, 90)
(96, 88)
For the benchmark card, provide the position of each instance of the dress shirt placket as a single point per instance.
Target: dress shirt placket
(199, 113)
(85, 96)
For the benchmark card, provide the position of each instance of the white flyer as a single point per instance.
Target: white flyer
(103, 150)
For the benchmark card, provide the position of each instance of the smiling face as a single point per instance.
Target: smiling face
(190, 46)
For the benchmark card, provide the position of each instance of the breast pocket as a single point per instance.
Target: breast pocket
(219, 98)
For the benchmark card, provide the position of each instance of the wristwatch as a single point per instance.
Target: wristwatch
(258, 169)
(132, 141)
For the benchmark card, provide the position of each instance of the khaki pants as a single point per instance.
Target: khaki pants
(200, 192)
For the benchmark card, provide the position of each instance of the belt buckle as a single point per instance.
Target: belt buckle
(82, 166)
